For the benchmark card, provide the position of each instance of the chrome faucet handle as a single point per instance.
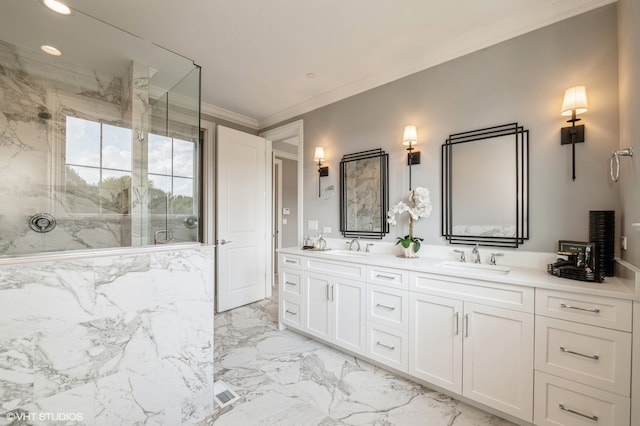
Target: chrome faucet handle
(349, 243)
(461, 253)
(492, 261)
(367, 248)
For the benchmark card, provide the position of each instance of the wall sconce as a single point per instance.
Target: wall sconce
(410, 138)
(322, 171)
(574, 103)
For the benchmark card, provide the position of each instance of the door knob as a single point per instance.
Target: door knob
(223, 242)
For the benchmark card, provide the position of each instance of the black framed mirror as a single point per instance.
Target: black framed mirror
(364, 194)
(485, 186)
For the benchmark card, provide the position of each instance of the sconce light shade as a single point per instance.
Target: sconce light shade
(575, 99)
(410, 137)
(575, 102)
(319, 154)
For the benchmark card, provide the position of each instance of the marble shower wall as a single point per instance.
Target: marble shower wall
(32, 151)
(119, 339)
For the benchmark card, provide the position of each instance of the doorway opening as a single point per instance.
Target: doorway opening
(287, 151)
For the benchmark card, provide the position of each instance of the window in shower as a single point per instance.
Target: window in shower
(172, 175)
(98, 167)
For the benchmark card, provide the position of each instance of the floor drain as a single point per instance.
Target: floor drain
(223, 394)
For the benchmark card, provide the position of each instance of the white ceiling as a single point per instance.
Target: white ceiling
(255, 54)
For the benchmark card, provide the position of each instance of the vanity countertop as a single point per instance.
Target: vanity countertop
(618, 287)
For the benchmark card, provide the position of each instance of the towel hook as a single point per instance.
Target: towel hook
(615, 158)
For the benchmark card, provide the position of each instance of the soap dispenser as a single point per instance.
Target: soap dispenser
(322, 243)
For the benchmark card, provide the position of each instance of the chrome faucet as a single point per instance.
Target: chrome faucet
(492, 261)
(475, 254)
(461, 253)
(356, 241)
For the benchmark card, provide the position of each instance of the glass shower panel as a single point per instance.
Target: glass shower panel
(184, 109)
(174, 163)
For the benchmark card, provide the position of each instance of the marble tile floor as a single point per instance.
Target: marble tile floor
(284, 378)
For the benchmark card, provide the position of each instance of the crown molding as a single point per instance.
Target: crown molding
(231, 116)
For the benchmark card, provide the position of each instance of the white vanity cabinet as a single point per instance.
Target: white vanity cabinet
(333, 301)
(480, 350)
(325, 299)
(388, 317)
(473, 337)
(583, 359)
(436, 340)
(290, 290)
(334, 310)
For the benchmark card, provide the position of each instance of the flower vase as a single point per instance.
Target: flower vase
(409, 251)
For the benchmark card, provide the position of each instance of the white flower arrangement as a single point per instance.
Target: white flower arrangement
(418, 206)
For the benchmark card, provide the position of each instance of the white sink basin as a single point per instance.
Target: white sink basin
(474, 268)
(345, 253)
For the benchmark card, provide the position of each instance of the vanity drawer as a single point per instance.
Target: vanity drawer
(517, 298)
(388, 306)
(591, 355)
(585, 309)
(291, 282)
(290, 261)
(563, 402)
(390, 277)
(388, 346)
(291, 313)
(355, 271)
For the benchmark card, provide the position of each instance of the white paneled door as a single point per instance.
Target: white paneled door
(244, 218)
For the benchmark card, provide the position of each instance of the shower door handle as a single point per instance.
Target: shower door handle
(223, 242)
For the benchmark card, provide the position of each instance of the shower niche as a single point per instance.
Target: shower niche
(106, 141)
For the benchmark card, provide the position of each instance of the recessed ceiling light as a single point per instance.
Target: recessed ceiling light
(50, 50)
(57, 7)
(310, 75)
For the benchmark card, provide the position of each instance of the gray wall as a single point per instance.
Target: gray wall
(628, 36)
(290, 200)
(523, 80)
